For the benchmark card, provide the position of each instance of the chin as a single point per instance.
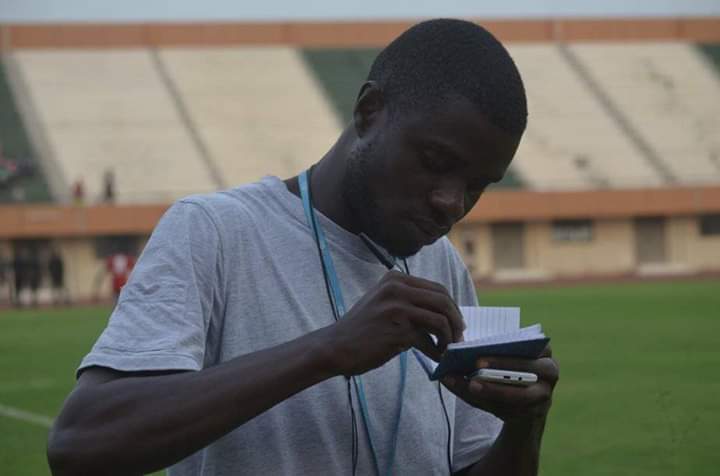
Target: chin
(403, 249)
(400, 242)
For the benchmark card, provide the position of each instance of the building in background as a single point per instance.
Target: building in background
(618, 174)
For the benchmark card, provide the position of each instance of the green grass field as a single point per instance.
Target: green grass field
(639, 392)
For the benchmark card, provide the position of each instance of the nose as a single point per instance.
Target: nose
(449, 201)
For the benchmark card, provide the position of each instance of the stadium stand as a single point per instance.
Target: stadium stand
(340, 72)
(571, 141)
(669, 93)
(258, 110)
(712, 53)
(109, 110)
(21, 177)
(176, 121)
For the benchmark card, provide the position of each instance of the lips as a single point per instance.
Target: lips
(430, 230)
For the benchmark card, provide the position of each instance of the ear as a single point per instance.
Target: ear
(368, 106)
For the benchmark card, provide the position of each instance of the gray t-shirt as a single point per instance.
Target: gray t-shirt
(234, 272)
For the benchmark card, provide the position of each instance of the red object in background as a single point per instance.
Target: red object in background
(119, 266)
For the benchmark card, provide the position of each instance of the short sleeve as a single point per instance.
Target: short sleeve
(475, 430)
(162, 316)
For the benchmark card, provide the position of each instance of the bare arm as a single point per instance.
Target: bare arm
(524, 410)
(515, 452)
(119, 423)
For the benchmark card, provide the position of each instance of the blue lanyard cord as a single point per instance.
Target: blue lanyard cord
(338, 304)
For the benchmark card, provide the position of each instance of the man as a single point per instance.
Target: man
(34, 273)
(223, 355)
(119, 265)
(4, 272)
(20, 265)
(56, 271)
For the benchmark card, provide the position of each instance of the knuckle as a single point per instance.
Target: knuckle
(392, 289)
(553, 371)
(407, 340)
(438, 287)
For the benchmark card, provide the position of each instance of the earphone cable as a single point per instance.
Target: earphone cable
(333, 306)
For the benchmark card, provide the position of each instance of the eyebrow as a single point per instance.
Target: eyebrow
(449, 150)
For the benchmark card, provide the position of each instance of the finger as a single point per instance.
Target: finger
(545, 368)
(442, 304)
(457, 385)
(510, 396)
(433, 323)
(547, 352)
(438, 288)
(424, 344)
(457, 321)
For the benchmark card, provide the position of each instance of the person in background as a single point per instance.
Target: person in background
(34, 274)
(119, 265)
(19, 266)
(109, 186)
(78, 192)
(4, 268)
(56, 271)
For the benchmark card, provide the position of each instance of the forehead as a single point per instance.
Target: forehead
(455, 126)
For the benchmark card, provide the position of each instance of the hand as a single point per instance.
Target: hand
(400, 312)
(509, 402)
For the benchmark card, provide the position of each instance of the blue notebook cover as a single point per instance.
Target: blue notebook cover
(463, 361)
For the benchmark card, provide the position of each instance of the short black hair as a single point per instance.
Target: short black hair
(441, 58)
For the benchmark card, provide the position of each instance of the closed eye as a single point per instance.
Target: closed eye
(436, 162)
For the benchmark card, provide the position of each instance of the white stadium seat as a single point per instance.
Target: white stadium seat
(670, 94)
(105, 110)
(258, 109)
(571, 141)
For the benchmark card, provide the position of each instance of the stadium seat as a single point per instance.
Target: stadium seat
(259, 110)
(571, 141)
(670, 94)
(110, 110)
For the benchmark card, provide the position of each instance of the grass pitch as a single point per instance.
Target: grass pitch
(639, 392)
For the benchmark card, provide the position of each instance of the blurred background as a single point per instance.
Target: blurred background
(606, 228)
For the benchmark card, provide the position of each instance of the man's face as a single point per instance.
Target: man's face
(412, 176)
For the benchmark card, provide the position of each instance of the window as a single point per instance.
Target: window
(710, 224)
(469, 246)
(572, 230)
(508, 245)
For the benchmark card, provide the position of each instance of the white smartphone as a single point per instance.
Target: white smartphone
(509, 377)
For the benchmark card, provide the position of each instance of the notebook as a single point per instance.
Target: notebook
(490, 331)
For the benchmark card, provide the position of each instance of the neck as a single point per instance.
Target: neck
(326, 183)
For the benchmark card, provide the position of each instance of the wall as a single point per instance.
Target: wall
(480, 262)
(689, 247)
(610, 251)
(84, 274)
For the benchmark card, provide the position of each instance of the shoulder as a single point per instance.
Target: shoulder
(238, 204)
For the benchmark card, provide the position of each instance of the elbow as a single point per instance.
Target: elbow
(60, 455)
(57, 453)
(63, 453)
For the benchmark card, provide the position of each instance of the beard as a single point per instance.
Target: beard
(364, 164)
